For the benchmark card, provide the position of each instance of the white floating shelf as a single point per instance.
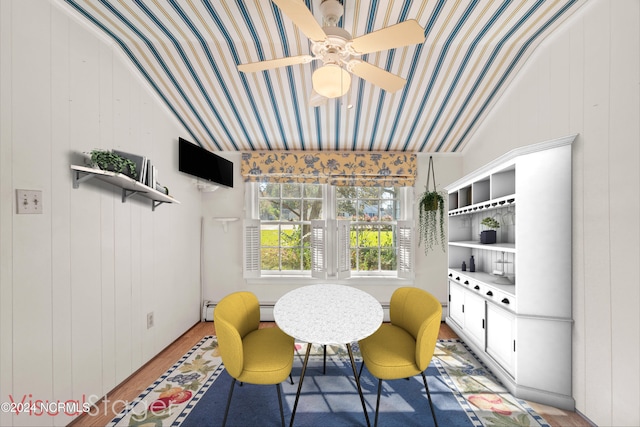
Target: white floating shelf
(225, 221)
(129, 185)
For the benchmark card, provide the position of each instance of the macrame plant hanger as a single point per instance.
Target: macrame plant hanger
(431, 214)
(431, 173)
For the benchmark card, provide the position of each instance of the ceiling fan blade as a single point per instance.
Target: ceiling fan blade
(253, 67)
(302, 17)
(398, 35)
(376, 75)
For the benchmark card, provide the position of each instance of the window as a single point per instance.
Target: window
(322, 230)
(286, 212)
(373, 212)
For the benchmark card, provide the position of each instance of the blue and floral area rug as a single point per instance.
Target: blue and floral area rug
(194, 392)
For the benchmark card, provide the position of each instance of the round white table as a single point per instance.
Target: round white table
(328, 314)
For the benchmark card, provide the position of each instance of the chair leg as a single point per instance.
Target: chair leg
(291, 379)
(226, 411)
(433, 412)
(280, 403)
(375, 422)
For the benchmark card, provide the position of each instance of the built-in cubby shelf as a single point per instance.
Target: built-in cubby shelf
(513, 306)
(128, 185)
(496, 188)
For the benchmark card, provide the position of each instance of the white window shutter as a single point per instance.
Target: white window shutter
(344, 249)
(251, 251)
(404, 237)
(319, 249)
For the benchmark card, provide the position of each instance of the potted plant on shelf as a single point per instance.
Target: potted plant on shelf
(431, 214)
(489, 236)
(109, 161)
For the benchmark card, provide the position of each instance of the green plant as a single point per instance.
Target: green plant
(431, 220)
(431, 214)
(490, 222)
(108, 160)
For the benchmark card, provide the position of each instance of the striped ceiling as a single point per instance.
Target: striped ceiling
(188, 51)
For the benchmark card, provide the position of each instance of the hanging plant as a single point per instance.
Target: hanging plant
(431, 214)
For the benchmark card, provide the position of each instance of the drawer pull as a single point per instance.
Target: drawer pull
(505, 300)
(457, 278)
(476, 287)
(490, 293)
(450, 275)
(466, 282)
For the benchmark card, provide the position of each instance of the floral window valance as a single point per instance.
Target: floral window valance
(383, 169)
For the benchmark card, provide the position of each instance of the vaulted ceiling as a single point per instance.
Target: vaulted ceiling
(189, 51)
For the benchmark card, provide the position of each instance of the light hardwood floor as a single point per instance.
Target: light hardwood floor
(140, 380)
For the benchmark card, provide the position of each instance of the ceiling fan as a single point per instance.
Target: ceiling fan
(338, 51)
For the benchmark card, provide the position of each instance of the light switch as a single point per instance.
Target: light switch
(29, 201)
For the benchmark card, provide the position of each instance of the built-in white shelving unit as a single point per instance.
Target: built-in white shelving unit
(128, 185)
(514, 310)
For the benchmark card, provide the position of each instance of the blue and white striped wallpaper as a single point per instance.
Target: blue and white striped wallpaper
(188, 51)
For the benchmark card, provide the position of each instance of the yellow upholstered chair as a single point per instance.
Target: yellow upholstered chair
(251, 355)
(404, 347)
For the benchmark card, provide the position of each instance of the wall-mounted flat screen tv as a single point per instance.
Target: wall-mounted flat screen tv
(197, 161)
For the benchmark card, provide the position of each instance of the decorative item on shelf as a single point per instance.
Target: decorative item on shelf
(500, 272)
(109, 161)
(489, 236)
(472, 264)
(508, 217)
(464, 266)
(161, 188)
(431, 214)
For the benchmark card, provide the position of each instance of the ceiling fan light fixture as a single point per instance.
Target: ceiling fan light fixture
(332, 11)
(331, 81)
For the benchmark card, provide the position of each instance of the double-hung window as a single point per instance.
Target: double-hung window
(285, 212)
(373, 213)
(327, 231)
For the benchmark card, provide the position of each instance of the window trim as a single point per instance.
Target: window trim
(401, 273)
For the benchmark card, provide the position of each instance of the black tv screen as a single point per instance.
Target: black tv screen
(195, 160)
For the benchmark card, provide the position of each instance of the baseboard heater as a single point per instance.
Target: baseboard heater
(266, 311)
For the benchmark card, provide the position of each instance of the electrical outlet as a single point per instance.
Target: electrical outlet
(150, 320)
(29, 201)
